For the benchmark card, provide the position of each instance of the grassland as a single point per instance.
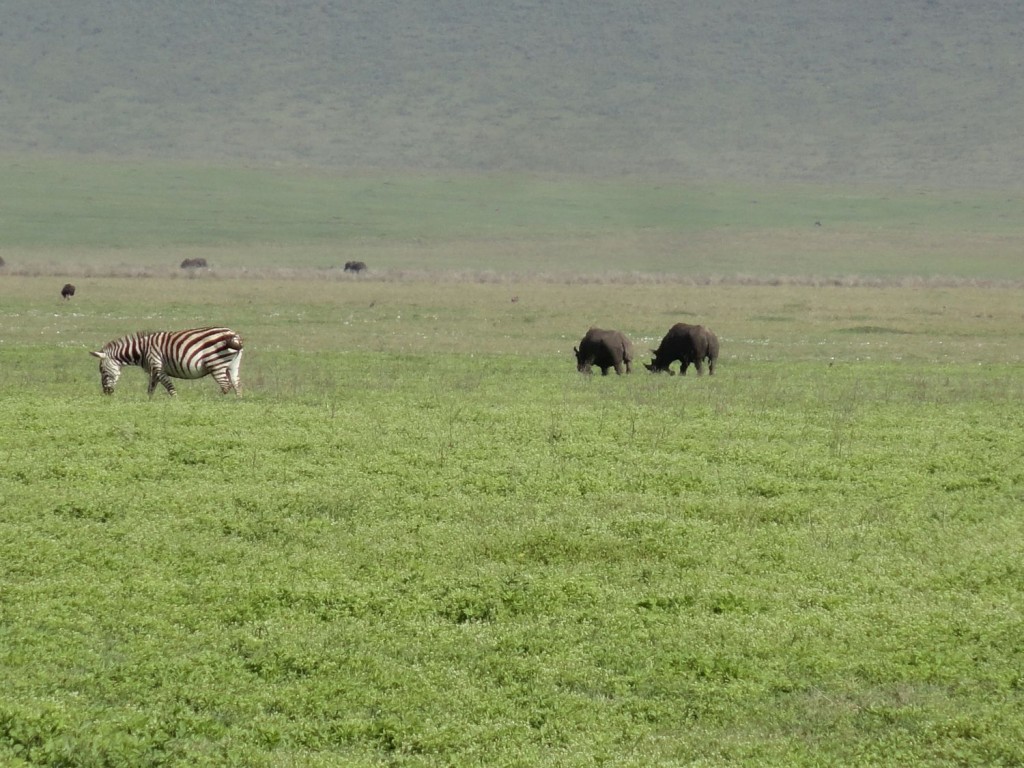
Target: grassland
(93, 218)
(822, 91)
(422, 539)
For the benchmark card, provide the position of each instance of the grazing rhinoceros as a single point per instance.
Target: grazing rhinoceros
(354, 266)
(67, 291)
(687, 344)
(605, 349)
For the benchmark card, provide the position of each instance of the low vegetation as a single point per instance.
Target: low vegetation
(146, 219)
(896, 93)
(423, 539)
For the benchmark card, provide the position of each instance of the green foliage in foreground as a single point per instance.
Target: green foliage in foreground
(488, 560)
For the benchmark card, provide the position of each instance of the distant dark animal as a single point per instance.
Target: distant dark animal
(1, 261)
(189, 354)
(196, 263)
(687, 344)
(515, 299)
(605, 349)
(67, 291)
(355, 266)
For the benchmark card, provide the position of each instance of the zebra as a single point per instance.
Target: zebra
(188, 354)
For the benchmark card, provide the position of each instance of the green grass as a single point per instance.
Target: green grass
(99, 218)
(422, 539)
(901, 94)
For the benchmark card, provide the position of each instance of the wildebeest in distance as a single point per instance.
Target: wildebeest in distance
(605, 349)
(355, 266)
(196, 263)
(67, 291)
(687, 344)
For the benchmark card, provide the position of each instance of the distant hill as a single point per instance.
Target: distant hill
(874, 91)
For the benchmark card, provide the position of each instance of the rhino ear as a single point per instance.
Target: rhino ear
(98, 354)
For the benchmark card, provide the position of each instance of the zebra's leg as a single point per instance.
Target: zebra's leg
(223, 379)
(154, 365)
(227, 378)
(157, 374)
(233, 374)
(166, 380)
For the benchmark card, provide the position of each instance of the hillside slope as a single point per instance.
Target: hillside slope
(923, 92)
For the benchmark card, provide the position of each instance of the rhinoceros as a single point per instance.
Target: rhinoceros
(687, 344)
(605, 349)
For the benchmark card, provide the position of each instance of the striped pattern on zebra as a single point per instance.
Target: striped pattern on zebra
(189, 354)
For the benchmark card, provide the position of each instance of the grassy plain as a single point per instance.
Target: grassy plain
(422, 539)
(775, 89)
(94, 218)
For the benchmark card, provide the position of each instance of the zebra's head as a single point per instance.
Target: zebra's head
(110, 371)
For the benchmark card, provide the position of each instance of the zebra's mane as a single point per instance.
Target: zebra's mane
(135, 336)
(128, 348)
